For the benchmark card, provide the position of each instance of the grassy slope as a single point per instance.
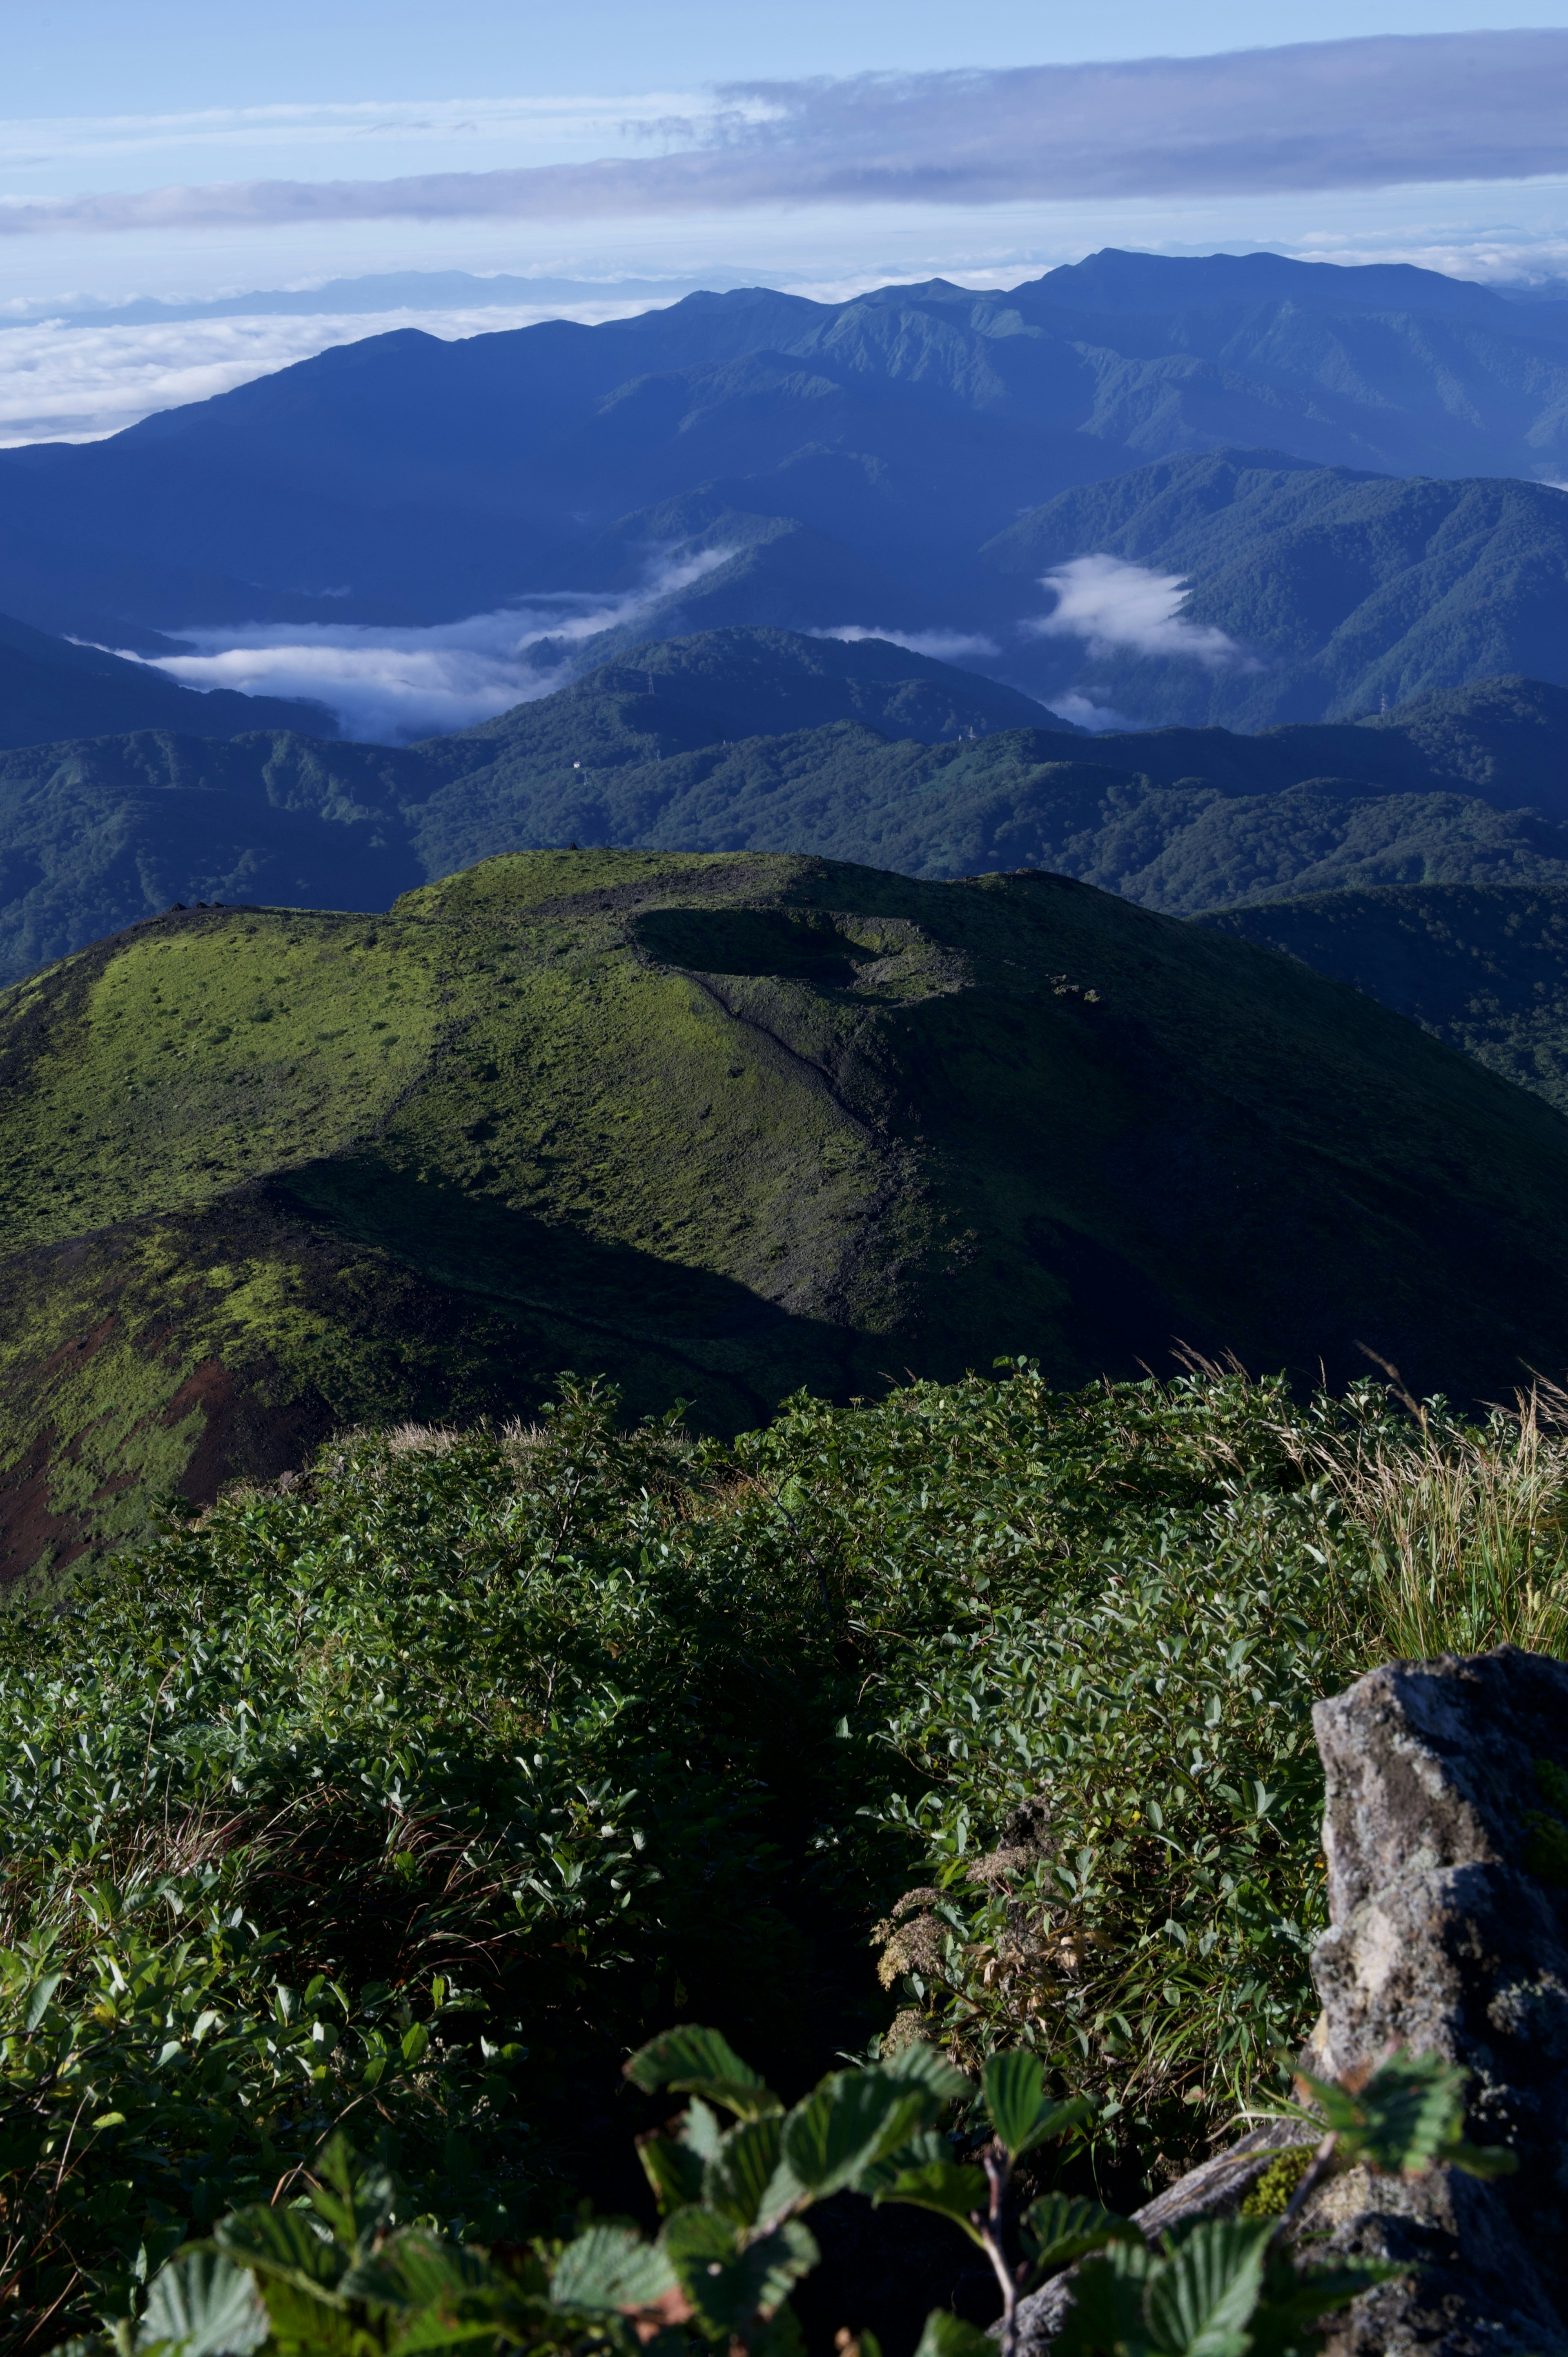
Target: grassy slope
(1484, 966)
(719, 1127)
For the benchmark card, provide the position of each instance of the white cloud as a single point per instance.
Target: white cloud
(1366, 114)
(1096, 717)
(942, 646)
(61, 381)
(1121, 608)
(390, 686)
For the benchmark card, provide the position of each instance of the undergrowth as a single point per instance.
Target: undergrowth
(410, 1794)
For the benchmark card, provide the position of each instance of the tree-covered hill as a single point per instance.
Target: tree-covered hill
(1342, 593)
(717, 1127)
(877, 755)
(1484, 966)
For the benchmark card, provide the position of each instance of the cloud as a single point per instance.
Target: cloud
(1121, 608)
(942, 646)
(390, 686)
(60, 381)
(1095, 717)
(1364, 113)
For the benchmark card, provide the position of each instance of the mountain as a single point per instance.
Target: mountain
(1335, 593)
(873, 753)
(906, 428)
(717, 1128)
(51, 688)
(1484, 966)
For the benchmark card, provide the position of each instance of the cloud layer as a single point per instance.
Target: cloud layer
(1121, 608)
(392, 686)
(1363, 113)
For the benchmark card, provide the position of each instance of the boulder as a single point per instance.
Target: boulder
(1445, 1830)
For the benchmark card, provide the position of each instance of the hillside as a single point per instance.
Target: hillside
(1339, 593)
(903, 427)
(881, 756)
(51, 689)
(1484, 966)
(717, 1127)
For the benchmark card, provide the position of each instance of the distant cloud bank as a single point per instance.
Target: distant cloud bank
(1121, 608)
(1366, 114)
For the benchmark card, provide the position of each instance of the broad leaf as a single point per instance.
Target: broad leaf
(927, 2066)
(1200, 2300)
(1407, 2119)
(1058, 2229)
(1020, 2110)
(1107, 2311)
(950, 2188)
(851, 2120)
(738, 2176)
(1292, 2304)
(284, 2243)
(611, 2268)
(929, 2144)
(701, 2061)
(727, 2282)
(947, 2335)
(205, 2304)
(673, 2168)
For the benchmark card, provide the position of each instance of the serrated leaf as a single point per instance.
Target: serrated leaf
(205, 2304)
(1107, 2311)
(283, 2243)
(950, 2188)
(852, 2119)
(1201, 2298)
(1059, 2228)
(927, 2066)
(673, 2168)
(1292, 2303)
(928, 2145)
(737, 2178)
(728, 2283)
(1405, 2119)
(1021, 2112)
(700, 2128)
(694, 2061)
(947, 2335)
(611, 2268)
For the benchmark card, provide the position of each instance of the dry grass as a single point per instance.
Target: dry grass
(1465, 1530)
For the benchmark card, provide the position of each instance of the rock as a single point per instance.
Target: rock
(1447, 1835)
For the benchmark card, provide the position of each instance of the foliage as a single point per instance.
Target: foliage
(357, 2277)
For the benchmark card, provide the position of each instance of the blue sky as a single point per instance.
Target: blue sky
(174, 150)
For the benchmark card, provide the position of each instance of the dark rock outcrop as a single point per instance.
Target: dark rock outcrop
(1446, 1836)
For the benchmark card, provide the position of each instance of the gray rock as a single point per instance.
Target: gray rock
(1445, 1937)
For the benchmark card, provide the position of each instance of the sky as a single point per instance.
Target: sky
(613, 152)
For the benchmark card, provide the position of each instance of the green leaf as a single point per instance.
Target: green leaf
(950, 2188)
(947, 2335)
(1106, 2319)
(673, 2168)
(1058, 2229)
(415, 2043)
(852, 2119)
(701, 2061)
(726, 2282)
(611, 2268)
(742, 2180)
(206, 2305)
(1407, 2119)
(927, 2066)
(284, 2243)
(1020, 2110)
(1292, 2303)
(38, 1998)
(1201, 2299)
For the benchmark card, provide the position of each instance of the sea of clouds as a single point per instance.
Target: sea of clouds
(392, 686)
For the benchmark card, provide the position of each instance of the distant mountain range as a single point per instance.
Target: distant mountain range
(52, 688)
(767, 741)
(904, 429)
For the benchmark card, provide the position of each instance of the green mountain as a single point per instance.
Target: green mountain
(872, 753)
(1484, 966)
(1341, 592)
(717, 1127)
(52, 688)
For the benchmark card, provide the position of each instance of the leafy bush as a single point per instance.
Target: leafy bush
(410, 1795)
